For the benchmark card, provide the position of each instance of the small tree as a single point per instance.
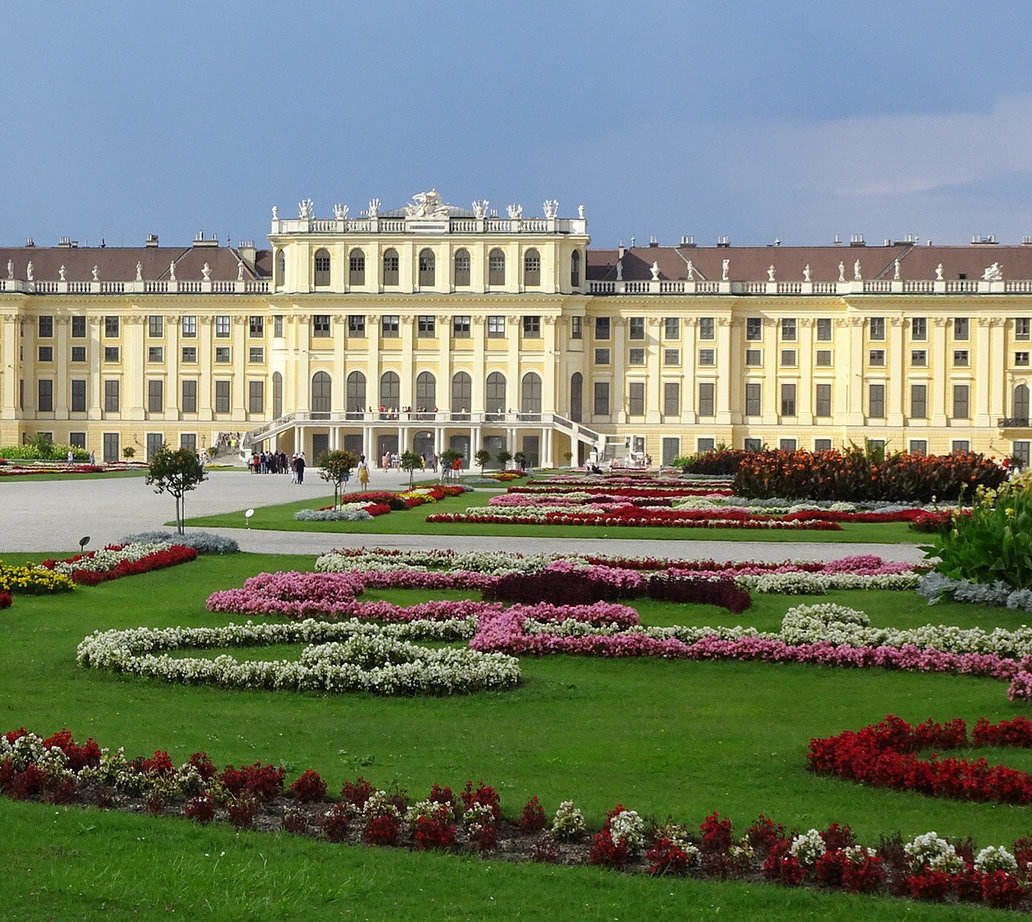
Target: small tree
(482, 457)
(504, 457)
(176, 472)
(336, 469)
(521, 460)
(410, 460)
(128, 452)
(448, 458)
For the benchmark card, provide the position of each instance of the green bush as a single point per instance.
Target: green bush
(720, 461)
(994, 542)
(35, 451)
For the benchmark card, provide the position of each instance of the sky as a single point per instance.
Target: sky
(766, 120)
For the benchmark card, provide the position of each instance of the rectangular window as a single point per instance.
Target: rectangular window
(876, 401)
(45, 354)
(601, 356)
(155, 395)
(462, 326)
(602, 328)
(46, 327)
(222, 396)
(919, 358)
(155, 326)
(824, 358)
(707, 328)
(753, 445)
(1021, 359)
(636, 398)
(754, 329)
(77, 439)
(111, 326)
(918, 447)
(426, 326)
(155, 353)
(824, 329)
(1020, 453)
(960, 401)
(78, 395)
(671, 328)
(822, 444)
(223, 355)
(356, 267)
(78, 327)
(1022, 326)
(707, 356)
(390, 326)
(601, 398)
(787, 444)
(188, 326)
(78, 353)
(788, 358)
(753, 394)
(189, 401)
(919, 401)
(223, 325)
(671, 398)
(255, 326)
(788, 400)
(636, 328)
(788, 329)
(671, 356)
(495, 326)
(576, 328)
(110, 447)
(256, 354)
(110, 395)
(960, 358)
(255, 396)
(188, 440)
(45, 396)
(320, 325)
(960, 446)
(876, 358)
(704, 445)
(961, 328)
(189, 354)
(277, 326)
(532, 327)
(356, 325)
(636, 357)
(823, 401)
(390, 268)
(111, 353)
(706, 398)
(876, 328)
(919, 329)
(754, 357)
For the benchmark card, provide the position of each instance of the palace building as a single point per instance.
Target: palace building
(433, 326)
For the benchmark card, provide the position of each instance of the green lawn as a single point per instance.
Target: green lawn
(413, 522)
(666, 738)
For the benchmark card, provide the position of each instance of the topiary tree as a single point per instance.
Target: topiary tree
(521, 460)
(448, 458)
(410, 460)
(504, 457)
(176, 472)
(128, 452)
(336, 469)
(482, 457)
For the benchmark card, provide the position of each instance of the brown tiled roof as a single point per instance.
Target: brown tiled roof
(118, 264)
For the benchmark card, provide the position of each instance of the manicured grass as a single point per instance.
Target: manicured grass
(413, 522)
(59, 475)
(665, 738)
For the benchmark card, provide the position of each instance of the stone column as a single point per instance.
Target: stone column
(618, 395)
(804, 361)
(95, 387)
(654, 369)
(61, 356)
(133, 367)
(897, 378)
(727, 363)
(940, 371)
(854, 333)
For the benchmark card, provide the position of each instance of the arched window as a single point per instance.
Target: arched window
(576, 396)
(426, 395)
(390, 267)
(494, 403)
(530, 394)
(390, 391)
(461, 395)
(426, 268)
(322, 267)
(356, 267)
(496, 267)
(1021, 403)
(277, 395)
(461, 267)
(575, 269)
(281, 269)
(531, 268)
(322, 390)
(356, 396)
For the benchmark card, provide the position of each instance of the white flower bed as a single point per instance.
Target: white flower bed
(107, 558)
(342, 656)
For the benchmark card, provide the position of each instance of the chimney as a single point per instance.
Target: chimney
(151, 241)
(247, 251)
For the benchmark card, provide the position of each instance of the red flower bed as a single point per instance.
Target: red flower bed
(884, 755)
(174, 554)
(5, 600)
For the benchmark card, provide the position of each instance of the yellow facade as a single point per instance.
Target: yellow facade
(432, 329)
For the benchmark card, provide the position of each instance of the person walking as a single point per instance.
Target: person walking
(363, 472)
(299, 467)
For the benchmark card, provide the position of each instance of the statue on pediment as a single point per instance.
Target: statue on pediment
(515, 211)
(240, 270)
(993, 273)
(770, 273)
(551, 208)
(938, 273)
(10, 268)
(29, 272)
(619, 270)
(690, 271)
(426, 205)
(841, 271)
(275, 213)
(480, 209)
(806, 272)
(95, 271)
(139, 271)
(61, 273)
(374, 208)
(206, 272)
(340, 211)
(725, 269)
(895, 270)
(654, 269)
(306, 209)
(857, 274)
(172, 271)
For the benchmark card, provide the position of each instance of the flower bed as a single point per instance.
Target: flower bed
(59, 770)
(365, 506)
(116, 561)
(17, 470)
(29, 579)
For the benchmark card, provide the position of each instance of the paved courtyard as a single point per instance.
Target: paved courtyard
(54, 515)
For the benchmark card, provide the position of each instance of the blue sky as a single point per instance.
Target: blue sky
(757, 120)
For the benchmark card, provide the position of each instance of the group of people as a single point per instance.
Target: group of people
(273, 462)
(391, 460)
